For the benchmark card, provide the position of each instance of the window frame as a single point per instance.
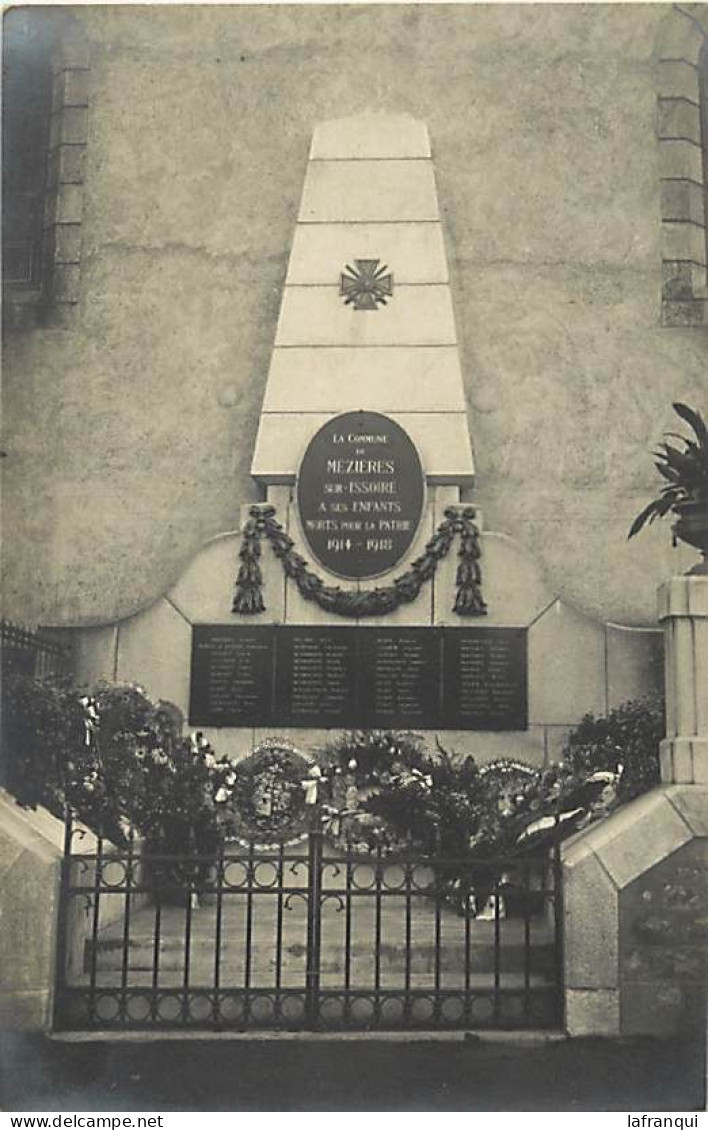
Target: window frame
(683, 49)
(54, 295)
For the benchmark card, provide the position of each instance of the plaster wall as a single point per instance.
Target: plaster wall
(130, 427)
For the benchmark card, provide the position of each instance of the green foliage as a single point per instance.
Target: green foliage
(513, 796)
(453, 802)
(43, 733)
(173, 801)
(129, 736)
(374, 752)
(410, 795)
(118, 758)
(628, 736)
(162, 784)
(685, 470)
(446, 803)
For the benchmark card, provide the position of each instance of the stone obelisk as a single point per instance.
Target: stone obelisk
(366, 322)
(369, 197)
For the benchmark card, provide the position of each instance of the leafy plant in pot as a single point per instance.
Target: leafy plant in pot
(685, 493)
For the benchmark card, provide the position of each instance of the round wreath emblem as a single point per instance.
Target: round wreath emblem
(505, 782)
(267, 802)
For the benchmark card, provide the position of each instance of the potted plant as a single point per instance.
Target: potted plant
(685, 493)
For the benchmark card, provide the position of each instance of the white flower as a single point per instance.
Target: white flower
(222, 794)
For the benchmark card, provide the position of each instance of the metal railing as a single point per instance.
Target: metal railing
(306, 937)
(27, 652)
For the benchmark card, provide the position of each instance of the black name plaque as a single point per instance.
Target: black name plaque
(365, 677)
(399, 682)
(316, 676)
(484, 679)
(232, 675)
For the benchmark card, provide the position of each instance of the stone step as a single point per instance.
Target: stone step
(201, 981)
(392, 957)
(109, 956)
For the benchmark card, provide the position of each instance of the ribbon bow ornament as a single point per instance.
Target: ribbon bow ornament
(90, 718)
(311, 784)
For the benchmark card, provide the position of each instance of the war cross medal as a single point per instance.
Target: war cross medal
(365, 285)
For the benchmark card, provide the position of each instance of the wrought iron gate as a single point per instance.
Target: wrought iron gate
(306, 937)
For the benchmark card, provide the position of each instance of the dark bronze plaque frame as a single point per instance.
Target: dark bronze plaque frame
(322, 676)
(333, 486)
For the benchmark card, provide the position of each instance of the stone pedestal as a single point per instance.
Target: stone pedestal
(683, 611)
(31, 850)
(635, 899)
(636, 885)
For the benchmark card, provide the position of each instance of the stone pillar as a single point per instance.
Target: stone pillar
(683, 611)
(636, 884)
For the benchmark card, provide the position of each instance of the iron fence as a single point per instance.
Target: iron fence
(305, 937)
(27, 652)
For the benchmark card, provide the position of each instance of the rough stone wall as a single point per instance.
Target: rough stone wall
(130, 428)
(663, 953)
(635, 896)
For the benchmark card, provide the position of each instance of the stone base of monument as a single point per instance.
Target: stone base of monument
(31, 849)
(635, 905)
(636, 885)
(574, 664)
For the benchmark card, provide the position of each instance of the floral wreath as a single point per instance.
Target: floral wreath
(267, 796)
(506, 781)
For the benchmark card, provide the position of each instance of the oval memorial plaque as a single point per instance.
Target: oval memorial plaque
(360, 494)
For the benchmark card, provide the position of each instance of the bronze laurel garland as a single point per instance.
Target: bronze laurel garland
(248, 599)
